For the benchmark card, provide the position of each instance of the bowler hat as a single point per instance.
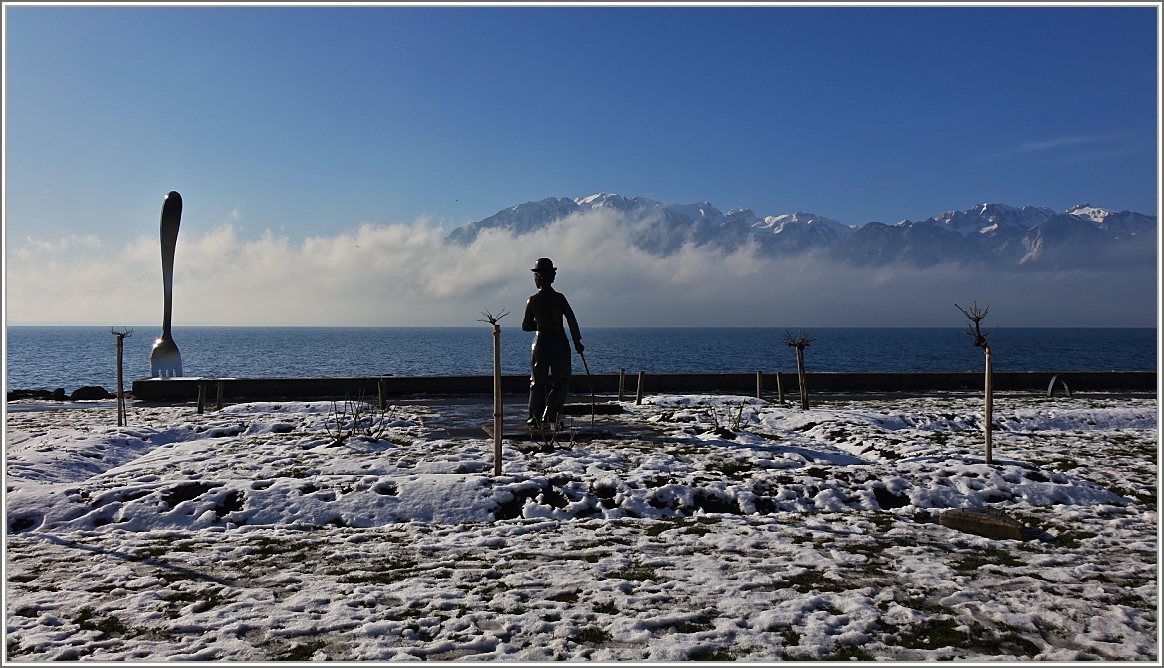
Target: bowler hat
(544, 265)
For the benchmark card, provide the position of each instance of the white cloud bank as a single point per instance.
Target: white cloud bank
(406, 275)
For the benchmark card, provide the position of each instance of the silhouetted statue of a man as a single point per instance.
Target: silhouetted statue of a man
(549, 379)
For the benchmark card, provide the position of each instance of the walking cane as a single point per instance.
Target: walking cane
(593, 406)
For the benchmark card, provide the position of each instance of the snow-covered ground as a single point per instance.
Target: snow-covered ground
(249, 534)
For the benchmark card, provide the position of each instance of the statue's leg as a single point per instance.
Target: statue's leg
(539, 373)
(560, 386)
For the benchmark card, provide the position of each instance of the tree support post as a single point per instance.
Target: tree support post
(498, 409)
(803, 380)
(975, 316)
(121, 417)
(800, 342)
(989, 388)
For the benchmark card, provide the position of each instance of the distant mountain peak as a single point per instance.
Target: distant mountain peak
(985, 233)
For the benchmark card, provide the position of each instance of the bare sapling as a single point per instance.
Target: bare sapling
(800, 342)
(975, 316)
(121, 336)
(498, 413)
(724, 430)
(356, 419)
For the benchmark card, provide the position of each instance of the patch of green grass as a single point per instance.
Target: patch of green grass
(1071, 537)
(209, 598)
(986, 557)
(1132, 600)
(190, 596)
(172, 576)
(302, 652)
(606, 608)
(731, 468)
(375, 577)
(267, 547)
(923, 604)
(934, 634)
(883, 521)
(294, 472)
(809, 580)
(694, 626)
(1013, 643)
(1063, 464)
(152, 552)
(664, 524)
(711, 655)
(109, 625)
(634, 573)
(416, 610)
(591, 635)
(849, 653)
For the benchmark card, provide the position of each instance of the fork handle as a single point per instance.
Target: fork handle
(171, 219)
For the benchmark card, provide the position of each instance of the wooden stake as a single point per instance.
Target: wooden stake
(497, 407)
(121, 418)
(800, 342)
(120, 387)
(803, 380)
(498, 411)
(779, 389)
(201, 397)
(639, 391)
(621, 382)
(759, 385)
(975, 316)
(989, 405)
(221, 391)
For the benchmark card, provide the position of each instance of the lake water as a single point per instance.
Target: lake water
(71, 357)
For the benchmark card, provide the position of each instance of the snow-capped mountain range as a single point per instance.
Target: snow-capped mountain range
(1082, 236)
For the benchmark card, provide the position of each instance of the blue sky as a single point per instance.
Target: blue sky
(301, 122)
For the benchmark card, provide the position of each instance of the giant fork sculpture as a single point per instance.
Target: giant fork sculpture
(165, 360)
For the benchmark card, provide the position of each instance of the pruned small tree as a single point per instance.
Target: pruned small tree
(357, 418)
(800, 342)
(121, 336)
(498, 411)
(975, 316)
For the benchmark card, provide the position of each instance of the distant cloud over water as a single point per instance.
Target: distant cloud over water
(409, 275)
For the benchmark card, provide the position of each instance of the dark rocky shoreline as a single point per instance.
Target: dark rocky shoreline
(86, 393)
